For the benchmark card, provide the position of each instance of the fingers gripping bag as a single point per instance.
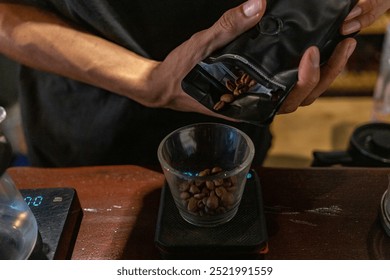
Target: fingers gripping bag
(249, 78)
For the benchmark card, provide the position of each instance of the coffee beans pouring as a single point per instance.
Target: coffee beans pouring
(240, 86)
(209, 197)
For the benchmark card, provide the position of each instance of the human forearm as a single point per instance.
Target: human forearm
(42, 40)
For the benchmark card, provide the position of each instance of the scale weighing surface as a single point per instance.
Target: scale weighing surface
(243, 237)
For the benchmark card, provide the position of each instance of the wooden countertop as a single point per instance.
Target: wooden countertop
(311, 213)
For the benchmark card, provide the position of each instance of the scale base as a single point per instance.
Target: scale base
(243, 237)
(59, 216)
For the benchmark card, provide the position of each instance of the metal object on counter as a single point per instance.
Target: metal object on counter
(369, 146)
(385, 209)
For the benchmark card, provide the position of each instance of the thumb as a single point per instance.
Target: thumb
(230, 25)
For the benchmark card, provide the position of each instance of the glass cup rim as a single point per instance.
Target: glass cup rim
(236, 170)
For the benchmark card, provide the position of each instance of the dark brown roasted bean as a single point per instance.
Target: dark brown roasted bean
(227, 199)
(220, 191)
(212, 201)
(192, 205)
(240, 86)
(219, 105)
(199, 195)
(207, 197)
(227, 98)
(204, 172)
(184, 195)
(194, 189)
(252, 83)
(184, 187)
(218, 182)
(210, 185)
(216, 170)
(230, 85)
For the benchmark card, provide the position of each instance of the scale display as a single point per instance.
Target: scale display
(59, 214)
(34, 201)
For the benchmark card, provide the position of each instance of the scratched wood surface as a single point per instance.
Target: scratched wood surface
(120, 206)
(311, 213)
(317, 213)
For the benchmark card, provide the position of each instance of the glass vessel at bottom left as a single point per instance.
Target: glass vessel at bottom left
(18, 226)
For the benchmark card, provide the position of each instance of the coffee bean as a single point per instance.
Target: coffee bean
(230, 85)
(204, 172)
(185, 195)
(227, 183)
(206, 197)
(199, 195)
(220, 191)
(227, 98)
(212, 201)
(245, 79)
(219, 105)
(194, 189)
(227, 199)
(218, 182)
(240, 86)
(200, 204)
(216, 169)
(205, 191)
(184, 187)
(192, 204)
(210, 185)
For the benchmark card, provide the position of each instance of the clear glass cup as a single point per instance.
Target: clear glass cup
(205, 166)
(18, 226)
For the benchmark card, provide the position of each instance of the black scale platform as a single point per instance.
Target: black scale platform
(243, 237)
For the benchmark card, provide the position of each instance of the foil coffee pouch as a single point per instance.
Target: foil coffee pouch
(249, 78)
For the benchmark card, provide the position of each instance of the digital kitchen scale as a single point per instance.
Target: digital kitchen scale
(58, 214)
(243, 237)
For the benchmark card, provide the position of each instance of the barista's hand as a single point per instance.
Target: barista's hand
(364, 14)
(313, 80)
(167, 76)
